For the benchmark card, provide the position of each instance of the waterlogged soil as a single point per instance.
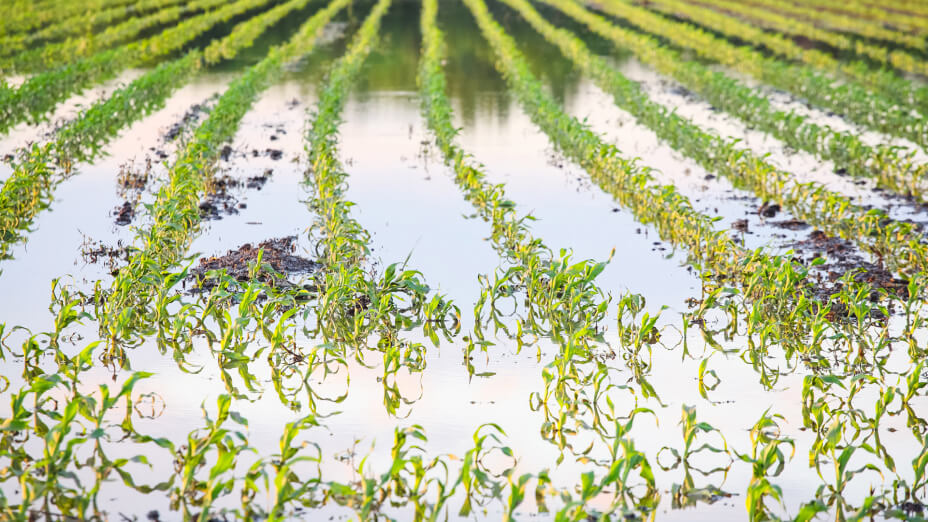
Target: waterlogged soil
(407, 200)
(252, 262)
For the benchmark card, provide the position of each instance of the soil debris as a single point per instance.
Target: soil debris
(191, 116)
(131, 179)
(124, 213)
(791, 224)
(279, 254)
(842, 258)
(768, 210)
(220, 200)
(130, 184)
(274, 154)
(112, 257)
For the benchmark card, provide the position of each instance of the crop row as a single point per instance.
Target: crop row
(562, 301)
(175, 212)
(850, 99)
(890, 166)
(31, 185)
(899, 244)
(68, 51)
(913, 10)
(778, 291)
(900, 21)
(836, 22)
(828, 423)
(87, 22)
(351, 303)
(883, 82)
(19, 16)
(897, 58)
(41, 93)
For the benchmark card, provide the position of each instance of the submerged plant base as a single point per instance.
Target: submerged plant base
(277, 254)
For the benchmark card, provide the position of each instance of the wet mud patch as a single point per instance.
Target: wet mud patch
(841, 258)
(228, 153)
(791, 224)
(131, 183)
(279, 255)
(111, 257)
(222, 196)
(274, 154)
(192, 116)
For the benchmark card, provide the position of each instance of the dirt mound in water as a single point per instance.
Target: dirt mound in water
(279, 255)
(841, 256)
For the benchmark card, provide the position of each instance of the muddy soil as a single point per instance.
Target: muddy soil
(221, 200)
(279, 254)
(112, 257)
(843, 258)
(192, 116)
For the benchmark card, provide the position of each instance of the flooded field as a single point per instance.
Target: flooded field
(463, 260)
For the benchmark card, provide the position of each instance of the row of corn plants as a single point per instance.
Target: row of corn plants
(34, 99)
(883, 81)
(352, 302)
(827, 422)
(175, 213)
(39, 170)
(899, 244)
(911, 9)
(778, 291)
(21, 16)
(850, 99)
(562, 301)
(766, 452)
(899, 20)
(842, 23)
(892, 167)
(765, 14)
(68, 51)
(86, 22)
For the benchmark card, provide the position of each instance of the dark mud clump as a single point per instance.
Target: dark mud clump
(768, 210)
(842, 258)
(130, 184)
(190, 117)
(790, 224)
(274, 154)
(130, 179)
(741, 225)
(124, 214)
(220, 199)
(279, 255)
(112, 257)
